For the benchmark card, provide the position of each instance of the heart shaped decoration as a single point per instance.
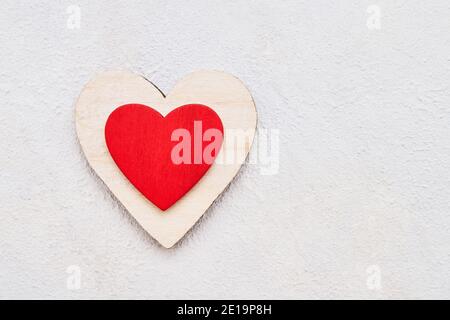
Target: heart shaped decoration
(140, 140)
(160, 155)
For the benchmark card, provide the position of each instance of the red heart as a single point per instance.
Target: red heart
(140, 140)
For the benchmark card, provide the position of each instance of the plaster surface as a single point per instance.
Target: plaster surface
(359, 206)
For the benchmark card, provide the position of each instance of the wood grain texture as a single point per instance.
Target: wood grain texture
(224, 93)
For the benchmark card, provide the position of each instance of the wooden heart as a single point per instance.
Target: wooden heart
(223, 93)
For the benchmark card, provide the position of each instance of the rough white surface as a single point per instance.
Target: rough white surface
(362, 192)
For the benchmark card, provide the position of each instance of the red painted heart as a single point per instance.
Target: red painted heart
(163, 157)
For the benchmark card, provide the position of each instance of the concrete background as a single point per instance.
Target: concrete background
(359, 207)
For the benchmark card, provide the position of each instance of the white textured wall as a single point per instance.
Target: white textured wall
(363, 188)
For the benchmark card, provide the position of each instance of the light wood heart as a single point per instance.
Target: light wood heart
(225, 94)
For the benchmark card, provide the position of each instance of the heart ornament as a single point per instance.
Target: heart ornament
(166, 158)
